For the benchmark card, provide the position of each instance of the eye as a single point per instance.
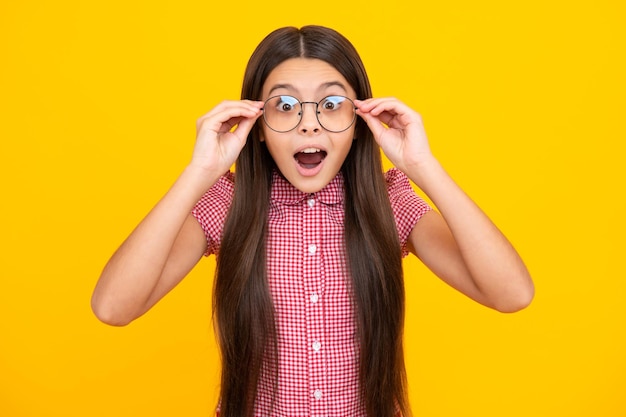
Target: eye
(286, 104)
(332, 103)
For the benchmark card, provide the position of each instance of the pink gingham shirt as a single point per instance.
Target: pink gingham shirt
(307, 273)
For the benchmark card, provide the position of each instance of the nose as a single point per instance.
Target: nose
(308, 121)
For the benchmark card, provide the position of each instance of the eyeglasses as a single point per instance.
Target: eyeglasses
(284, 113)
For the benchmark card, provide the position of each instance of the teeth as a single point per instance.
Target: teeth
(311, 150)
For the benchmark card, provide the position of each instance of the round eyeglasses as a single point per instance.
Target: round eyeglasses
(284, 113)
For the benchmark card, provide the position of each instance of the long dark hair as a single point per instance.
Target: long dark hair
(243, 306)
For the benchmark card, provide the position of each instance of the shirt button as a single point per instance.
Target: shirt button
(314, 298)
(311, 202)
(317, 346)
(312, 249)
(317, 394)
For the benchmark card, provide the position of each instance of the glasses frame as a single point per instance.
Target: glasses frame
(317, 112)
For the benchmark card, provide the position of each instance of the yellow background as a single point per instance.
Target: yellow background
(523, 103)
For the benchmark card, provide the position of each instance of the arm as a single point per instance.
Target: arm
(168, 242)
(460, 245)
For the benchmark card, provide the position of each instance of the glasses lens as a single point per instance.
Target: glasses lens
(336, 113)
(282, 113)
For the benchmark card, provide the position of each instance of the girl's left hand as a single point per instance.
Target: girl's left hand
(398, 129)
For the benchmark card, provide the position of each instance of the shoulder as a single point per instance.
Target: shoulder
(394, 175)
(225, 186)
(398, 184)
(212, 209)
(222, 190)
(401, 192)
(406, 205)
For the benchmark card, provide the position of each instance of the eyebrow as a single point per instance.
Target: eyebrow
(321, 87)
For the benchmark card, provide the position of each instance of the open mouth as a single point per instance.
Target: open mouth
(309, 158)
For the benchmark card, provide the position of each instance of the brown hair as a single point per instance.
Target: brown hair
(243, 306)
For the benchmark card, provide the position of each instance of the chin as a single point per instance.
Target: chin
(310, 185)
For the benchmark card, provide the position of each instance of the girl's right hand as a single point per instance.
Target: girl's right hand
(217, 144)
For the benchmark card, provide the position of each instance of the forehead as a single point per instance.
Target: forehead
(306, 76)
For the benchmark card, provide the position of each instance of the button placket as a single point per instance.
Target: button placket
(313, 285)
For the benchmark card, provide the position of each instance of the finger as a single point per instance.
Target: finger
(378, 105)
(228, 110)
(393, 112)
(228, 114)
(232, 108)
(372, 103)
(387, 105)
(383, 116)
(373, 123)
(244, 126)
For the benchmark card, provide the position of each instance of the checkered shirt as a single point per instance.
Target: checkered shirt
(307, 273)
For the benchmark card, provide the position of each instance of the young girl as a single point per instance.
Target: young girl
(309, 235)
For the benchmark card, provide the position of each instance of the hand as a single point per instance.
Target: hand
(217, 144)
(398, 130)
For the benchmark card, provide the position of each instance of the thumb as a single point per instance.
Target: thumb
(375, 125)
(244, 127)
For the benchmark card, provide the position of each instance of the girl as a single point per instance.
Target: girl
(309, 235)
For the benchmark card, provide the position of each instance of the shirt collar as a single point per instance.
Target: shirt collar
(284, 192)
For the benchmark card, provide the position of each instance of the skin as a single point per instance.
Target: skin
(459, 243)
(308, 80)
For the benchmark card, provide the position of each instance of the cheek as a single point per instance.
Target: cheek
(344, 144)
(350, 136)
(275, 147)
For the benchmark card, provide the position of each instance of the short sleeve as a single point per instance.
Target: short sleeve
(212, 209)
(407, 206)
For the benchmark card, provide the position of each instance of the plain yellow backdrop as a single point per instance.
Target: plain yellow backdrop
(523, 103)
